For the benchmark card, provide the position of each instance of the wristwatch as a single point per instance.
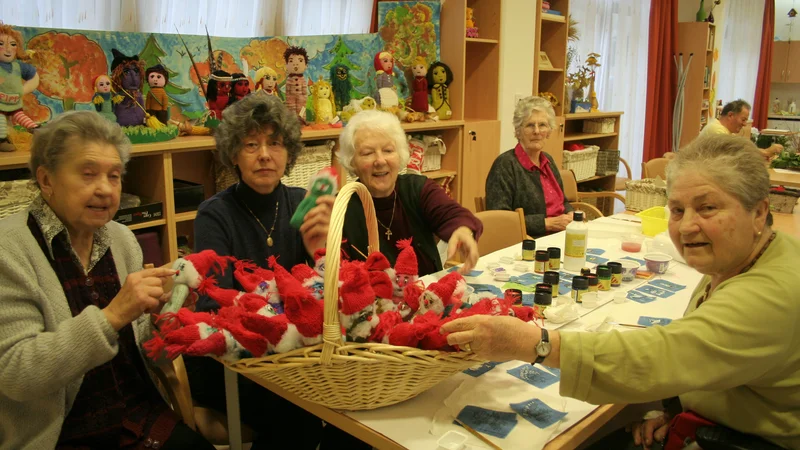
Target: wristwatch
(543, 347)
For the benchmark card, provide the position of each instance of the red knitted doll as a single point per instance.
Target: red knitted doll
(303, 311)
(258, 280)
(356, 302)
(310, 279)
(437, 295)
(405, 267)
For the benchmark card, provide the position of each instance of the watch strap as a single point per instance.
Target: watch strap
(545, 339)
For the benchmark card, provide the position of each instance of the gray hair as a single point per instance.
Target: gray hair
(254, 113)
(526, 106)
(731, 162)
(735, 107)
(53, 140)
(372, 120)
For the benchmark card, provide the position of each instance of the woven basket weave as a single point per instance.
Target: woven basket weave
(16, 195)
(644, 194)
(582, 162)
(311, 160)
(348, 375)
(607, 162)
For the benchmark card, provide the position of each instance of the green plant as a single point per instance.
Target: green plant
(786, 160)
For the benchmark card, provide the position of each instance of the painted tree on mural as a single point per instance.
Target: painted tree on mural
(35, 110)
(343, 81)
(266, 53)
(152, 54)
(408, 32)
(67, 64)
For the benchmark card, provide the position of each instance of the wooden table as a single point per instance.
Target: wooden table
(784, 179)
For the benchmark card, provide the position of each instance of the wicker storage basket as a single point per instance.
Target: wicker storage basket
(783, 201)
(16, 195)
(311, 160)
(349, 375)
(605, 125)
(433, 155)
(645, 194)
(607, 162)
(582, 162)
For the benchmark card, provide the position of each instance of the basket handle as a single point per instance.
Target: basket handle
(331, 331)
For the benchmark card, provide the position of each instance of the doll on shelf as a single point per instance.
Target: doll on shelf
(296, 85)
(157, 102)
(240, 86)
(267, 80)
(419, 99)
(384, 81)
(16, 79)
(439, 78)
(324, 103)
(218, 92)
(472, 30)
(127, 77)
(104, 100)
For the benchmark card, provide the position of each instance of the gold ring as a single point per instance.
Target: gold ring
(467, 347)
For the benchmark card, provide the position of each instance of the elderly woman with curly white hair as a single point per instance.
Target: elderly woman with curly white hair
(373, 147)
(527, 177)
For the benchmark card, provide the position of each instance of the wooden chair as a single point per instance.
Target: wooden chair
(574, 197)
(619, 185)
(480, 204)
(501, 229)
(655, 167)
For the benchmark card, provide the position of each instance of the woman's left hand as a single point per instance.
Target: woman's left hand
(315, 224)
(461, 241)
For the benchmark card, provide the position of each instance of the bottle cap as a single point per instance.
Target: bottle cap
(554, 252)
(586, 271)
(580, 283)
(551, 277)
(542, 256)
(577, 216)
(604, 271)
(528, 244)
(615, 267)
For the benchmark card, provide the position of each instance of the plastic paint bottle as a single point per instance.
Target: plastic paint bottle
(555, 258)
(594, 283)
(580, 286)
(552, 278)
(616, 273)
(575, 243)
(542, 261)
(528, 247)
(604, 275)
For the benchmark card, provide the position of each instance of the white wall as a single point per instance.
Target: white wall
(782, 8)
(517, 41)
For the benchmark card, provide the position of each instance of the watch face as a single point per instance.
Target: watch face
(543, 348)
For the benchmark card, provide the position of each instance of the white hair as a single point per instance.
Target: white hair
(372, 120)
(526, 106)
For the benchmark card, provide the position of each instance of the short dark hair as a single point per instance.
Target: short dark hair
(158, 68)
(735, 107)
(294, 50)
(447, 72)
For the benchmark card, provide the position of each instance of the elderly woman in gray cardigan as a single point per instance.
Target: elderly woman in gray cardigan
(527, 177)
(74, 302)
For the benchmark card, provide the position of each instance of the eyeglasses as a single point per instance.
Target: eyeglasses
(534, 127)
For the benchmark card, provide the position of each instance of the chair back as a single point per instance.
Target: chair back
(570, 185)
(480, 204)
(501, 228)
(656, 167)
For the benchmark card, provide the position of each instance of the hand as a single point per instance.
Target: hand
(315, 224)
(142, 292)
(557, 223)
(495, 338)
(773, 150)
(647, 430)
(461, 241)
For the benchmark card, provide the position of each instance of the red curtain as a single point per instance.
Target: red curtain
(761, 103)
(661, 78)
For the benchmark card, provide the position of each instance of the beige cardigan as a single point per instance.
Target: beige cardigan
(44, 351)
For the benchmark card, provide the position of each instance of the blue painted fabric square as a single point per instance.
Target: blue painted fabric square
(538, 413)
(657, 291)
(650, 321)
(482, 369)
(595, 251)
(527, 299)
(668, 285)
(638, 297)
(564, 287)
(533, 376)
(494, 423)
(487, 288)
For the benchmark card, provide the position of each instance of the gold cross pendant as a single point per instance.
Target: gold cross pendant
(388, 234)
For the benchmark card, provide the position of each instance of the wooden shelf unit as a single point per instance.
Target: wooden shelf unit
(696, 38)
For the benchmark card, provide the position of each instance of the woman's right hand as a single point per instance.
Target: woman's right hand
(648, 430)
(557, 223)
(141, 292)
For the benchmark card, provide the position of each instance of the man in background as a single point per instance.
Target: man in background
(734, 116)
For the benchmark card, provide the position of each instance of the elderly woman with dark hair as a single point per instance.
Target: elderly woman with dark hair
(75, 299)
(260, 138)
(527, 177)
(733, 357)
(373, 147)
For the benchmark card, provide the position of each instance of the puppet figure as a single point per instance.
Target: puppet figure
(439, 78)
(419, 100)
(325, 182)
(356, 106)
(16, 79)
(240, 86)
(127, 76)
(324, 103)
(267, 80)
(104, 100)
(340, 81)
(157, 103)
(386, 96)
(296, 86)
(472, 30)
(219, 89)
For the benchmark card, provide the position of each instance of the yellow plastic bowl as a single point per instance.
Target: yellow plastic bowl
(654, 220)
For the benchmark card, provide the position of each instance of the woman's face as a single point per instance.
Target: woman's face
(710, 228)
(439, 75)
(84, 190)
(535, 132)
(387, 63)
(270, 81)
(262, 160)
(376, 162)
(103, 85)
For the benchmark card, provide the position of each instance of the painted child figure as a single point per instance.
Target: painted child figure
(419, 100)
(296, 85)
(16, 79)
(104, 99)
(267, 80)
(157, 103)
(386, 95)
(218, 93)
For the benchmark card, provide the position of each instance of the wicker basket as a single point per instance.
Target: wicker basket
(645, 194)
(783, 201)
(349, 375)
(433, 155)
(311, 160)
(582, 162)
(16, 195)
(601, 126)
(607, 162)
